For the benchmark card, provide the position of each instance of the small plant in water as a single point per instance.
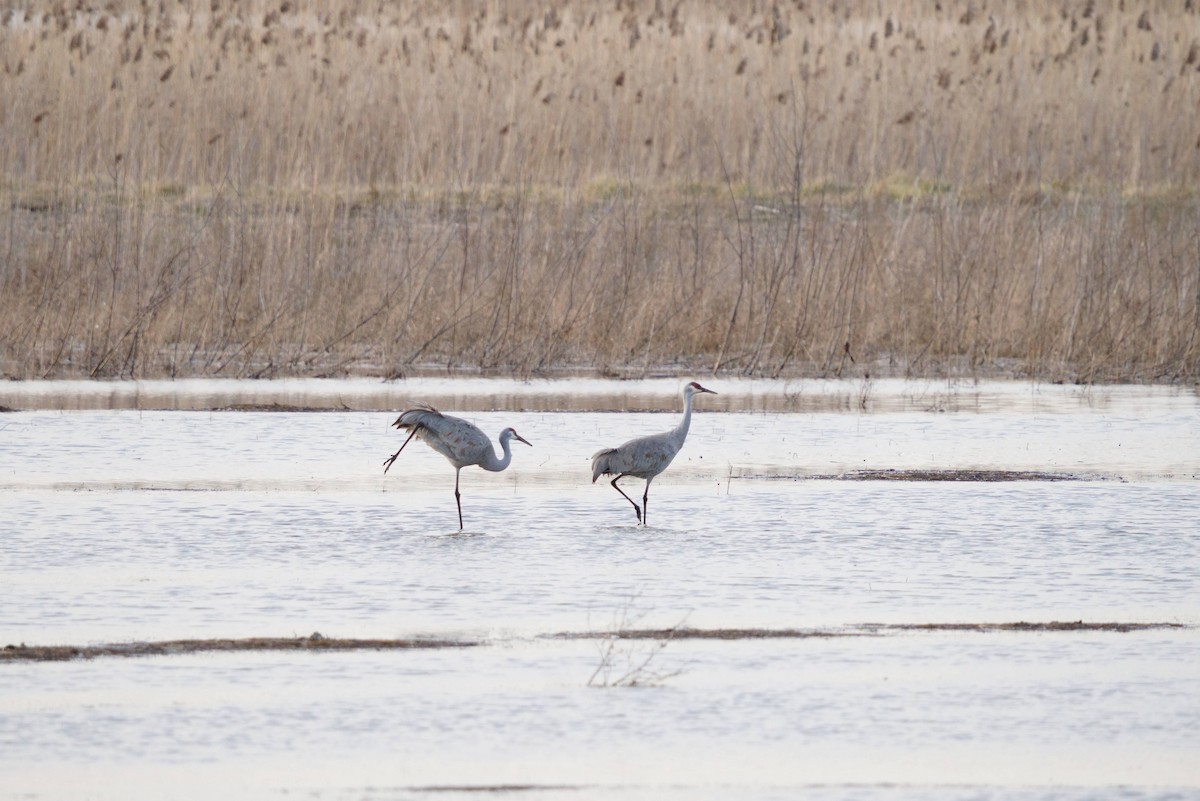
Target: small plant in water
(627, 652)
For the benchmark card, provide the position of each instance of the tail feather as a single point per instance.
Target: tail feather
(416, 417)
(601, 463)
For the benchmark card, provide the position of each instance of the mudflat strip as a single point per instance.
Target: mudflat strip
(1056, 625)
(318, 642)
(860, 630)
(914, 474)
(313, 642)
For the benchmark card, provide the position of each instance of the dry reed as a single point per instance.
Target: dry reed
(300, 188)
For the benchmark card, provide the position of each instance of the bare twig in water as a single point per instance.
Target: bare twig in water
(626, 661)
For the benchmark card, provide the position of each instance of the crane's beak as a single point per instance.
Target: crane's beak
(702, 389)
(519, 438)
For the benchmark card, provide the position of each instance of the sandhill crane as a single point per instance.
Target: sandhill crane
(646, 457)
(456, 439)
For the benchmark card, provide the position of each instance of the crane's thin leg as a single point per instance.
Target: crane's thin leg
(388, 463)
(646, 504)
(458, 498)
(636, 509)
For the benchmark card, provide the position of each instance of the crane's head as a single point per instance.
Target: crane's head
(694, 387)
(511, 433)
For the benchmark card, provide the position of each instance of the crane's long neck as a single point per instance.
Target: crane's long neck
(681, 430)
(496, 465)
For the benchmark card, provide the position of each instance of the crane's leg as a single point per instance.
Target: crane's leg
(458, 497)
(646, 504)
(636, 510)
(388, 463)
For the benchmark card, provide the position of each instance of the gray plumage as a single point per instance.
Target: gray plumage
(646, 457)
(462, 443)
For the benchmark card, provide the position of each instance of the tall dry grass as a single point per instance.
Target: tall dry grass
(279, 188)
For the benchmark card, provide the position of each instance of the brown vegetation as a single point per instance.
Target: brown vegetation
(791, 188)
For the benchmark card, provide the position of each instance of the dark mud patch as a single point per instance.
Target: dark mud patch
(862, 630)
(277, 407)
(1053, 626)
(950, 475)
(686, 633)
(491, 788)
(314, 642)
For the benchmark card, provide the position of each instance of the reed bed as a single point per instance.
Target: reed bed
(840, 188)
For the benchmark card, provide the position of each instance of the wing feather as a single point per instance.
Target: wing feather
(452, 437)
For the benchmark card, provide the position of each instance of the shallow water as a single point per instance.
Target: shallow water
(135, 525)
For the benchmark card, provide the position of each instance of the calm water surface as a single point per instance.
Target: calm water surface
(135, 524)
